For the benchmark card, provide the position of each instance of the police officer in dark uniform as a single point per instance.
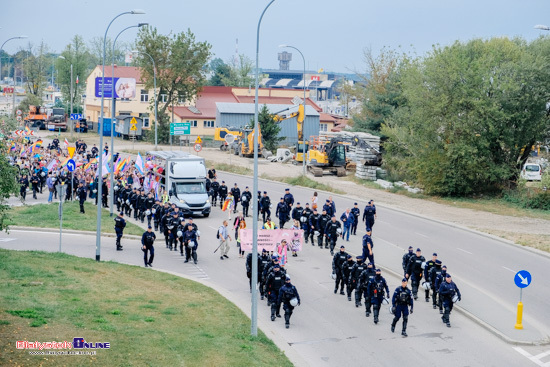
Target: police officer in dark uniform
(265, 206)
(265, 261)
(236, 192)
(35, 181)
(406, 258)
(435, 271)
(324, 219)
(117, 196)
(147, 240)
(356, 212)
(447, 291)
(222, 192)
(274, 282)
(414, 271)
(81, 195)
(190, 238)
(246, 200)
(214, 188)
(268, 270)
(126, 208)
(249, 268)
(212, 173)
(104, 194)
(346, 271)
(286, 294)
(164, 224)
(289, 199)
(333, 230)
(313, 223)
(156, 212)
(296, 213)
(282, 213)
(375, 290)
(172, 224)
(368, 215)
(304, 218)
(141, 205)
(120, 223)
(364, 279)
(430, 264)
(328, 208)
(338, 261)
(439, 279)
(401, 300)
(353, 280)
(149, 202)
(368, 247)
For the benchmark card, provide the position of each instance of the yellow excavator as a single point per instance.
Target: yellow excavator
(300, 116)
(221, 132)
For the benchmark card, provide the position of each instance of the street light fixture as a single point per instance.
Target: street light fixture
(304, 103)
(113, 118)
(254, 310)
(155, 91)
(1, 47)
(100, 130)
(542, 27)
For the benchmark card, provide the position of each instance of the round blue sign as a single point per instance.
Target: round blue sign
(71, 165)
(522, 278)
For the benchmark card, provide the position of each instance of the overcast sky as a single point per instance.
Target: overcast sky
(331, 34)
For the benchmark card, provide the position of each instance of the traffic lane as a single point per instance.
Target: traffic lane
(448, 241)
(326, 329)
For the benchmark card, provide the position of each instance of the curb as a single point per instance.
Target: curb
(71, 231)
(464, 312)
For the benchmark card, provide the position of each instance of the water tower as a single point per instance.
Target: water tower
(284, 60)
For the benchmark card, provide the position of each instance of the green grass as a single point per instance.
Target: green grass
(305, 181)
(46, 216)
(230, 168)
(192, 325)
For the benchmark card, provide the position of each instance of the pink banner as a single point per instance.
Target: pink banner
(270, 239)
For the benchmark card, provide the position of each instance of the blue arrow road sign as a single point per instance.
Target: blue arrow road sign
(76, 116)
(71, 165)
(522, 278)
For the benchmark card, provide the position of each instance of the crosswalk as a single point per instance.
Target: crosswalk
(536, 359)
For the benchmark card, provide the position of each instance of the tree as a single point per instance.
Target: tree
(379, 91)
(269, 128)
(29, 100)
(181, 73)
(35, 67)
(239, 73)
(75, 54)
(473, 110)
(95, 49)
(8, 184)
(220, 70)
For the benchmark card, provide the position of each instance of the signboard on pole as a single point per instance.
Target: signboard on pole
(124, 87)
(76, 116)
(522, 279)
(71, 165)
(197, 148)
(71, 151)
(198, 140)
(180, 128)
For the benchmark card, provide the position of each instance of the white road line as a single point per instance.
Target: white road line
(468, 252)
(420, 234)
(513, 271)
(535, 359)
(213, 228)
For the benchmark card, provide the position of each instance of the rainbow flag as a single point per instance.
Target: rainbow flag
(228, 203)
(64, 163)
(27, 130)
(122, 165)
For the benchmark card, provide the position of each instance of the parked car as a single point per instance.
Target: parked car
(531, 172)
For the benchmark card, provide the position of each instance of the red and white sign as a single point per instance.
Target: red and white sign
(197, 147)
(269, 239)
(315, 77)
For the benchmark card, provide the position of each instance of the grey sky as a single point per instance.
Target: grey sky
(331, 34)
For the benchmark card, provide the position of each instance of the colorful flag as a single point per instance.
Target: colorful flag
(64, 163)
(52, 164)
(121, 166)
(140, 164)
(27, 130)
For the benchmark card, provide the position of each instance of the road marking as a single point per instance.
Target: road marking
(513, 271)
(535, 359)
(468, 252)
(7, 239)
(420, 234)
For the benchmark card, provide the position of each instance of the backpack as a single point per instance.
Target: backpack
(218, 234)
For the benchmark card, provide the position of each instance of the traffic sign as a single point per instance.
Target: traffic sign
(522, 279)
(180, 128)
(198, 140)
(19, 112)
(197, 147)
(18, 118)
(71, 165)
(71, 151)
(133, 128)
(133, 121)
(229, 138)
(76, 116)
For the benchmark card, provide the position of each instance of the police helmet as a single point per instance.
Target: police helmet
(154, 210)
(42, 173)
(198, 233)
(391, 309)
(303, 219)
(455, 298)
(385, 301)
(94, 191)
(127, 200)
(294, 302)
(191, 243)
(180, 233)
(116, 188)
(426, 285)
(147, 212)
(317, 233)
(423, 265)
(333, 276)
(339, 231)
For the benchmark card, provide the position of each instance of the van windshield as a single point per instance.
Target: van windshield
(532, 168)
(182, 188)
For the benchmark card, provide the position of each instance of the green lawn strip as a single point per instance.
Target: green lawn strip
(47, 216)
(230, 168)
(150, 318)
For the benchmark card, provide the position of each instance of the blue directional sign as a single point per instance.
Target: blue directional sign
(76, 116)
(71, 165)
(522, 278)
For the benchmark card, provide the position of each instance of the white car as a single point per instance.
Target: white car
(531, 172)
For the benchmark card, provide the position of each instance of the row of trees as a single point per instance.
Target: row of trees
(461, 119)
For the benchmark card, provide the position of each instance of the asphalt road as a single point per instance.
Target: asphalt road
(327, 330)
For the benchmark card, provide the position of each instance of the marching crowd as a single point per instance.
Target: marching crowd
(137, 193)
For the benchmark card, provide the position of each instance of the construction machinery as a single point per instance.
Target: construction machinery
(221, 132)
(245, 144)
(300, 116)
(36, 117)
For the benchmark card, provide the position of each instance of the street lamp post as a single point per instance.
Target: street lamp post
(2, 47)
(155, 92)
(100, 130)
(113, 109)
(304, 103)
(254, 310)
(13, 94)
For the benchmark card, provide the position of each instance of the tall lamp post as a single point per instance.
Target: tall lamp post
(155, 92)
(254, 310)
(113, 109)
(304, 103)
(1, 47)
(100, 130)
(71, 96)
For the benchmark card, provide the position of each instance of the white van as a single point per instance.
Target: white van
(531, 172)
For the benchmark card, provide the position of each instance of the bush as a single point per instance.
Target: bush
(529, 198)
